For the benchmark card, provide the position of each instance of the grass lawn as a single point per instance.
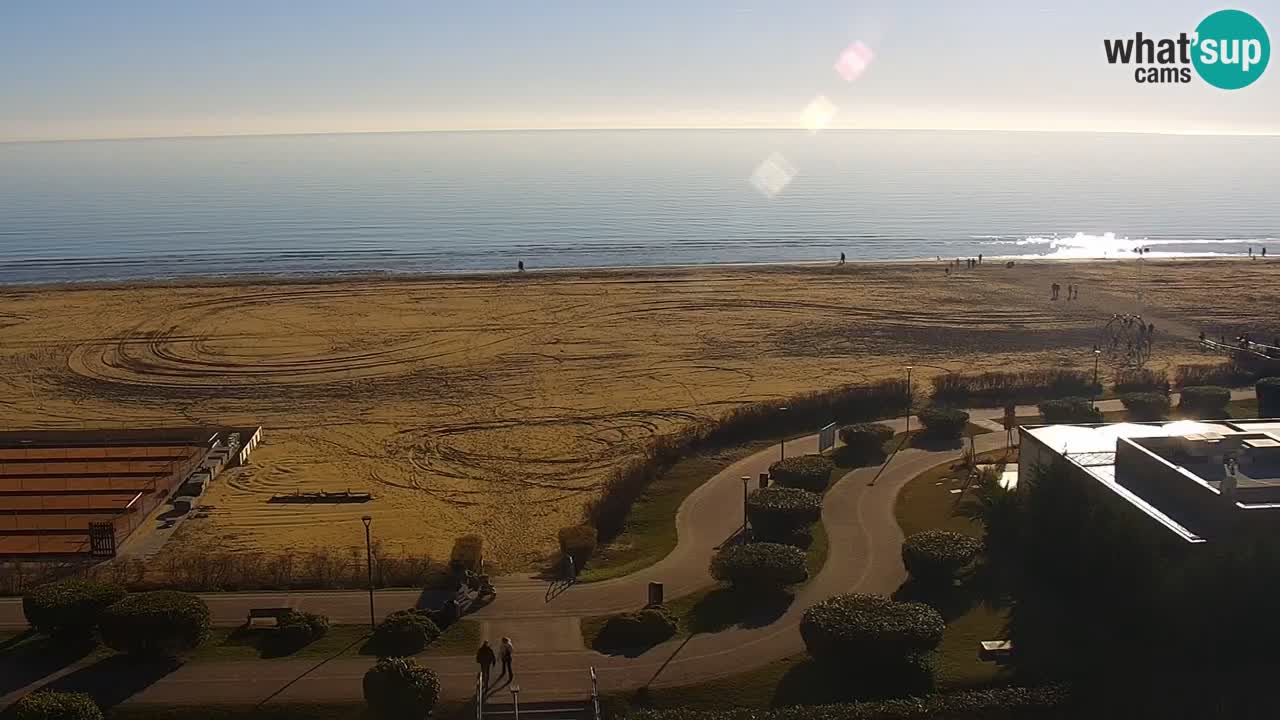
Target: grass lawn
(232, 644)
(923, 504)
(650, 533)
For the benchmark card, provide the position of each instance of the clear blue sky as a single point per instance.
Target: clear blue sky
(128, 68)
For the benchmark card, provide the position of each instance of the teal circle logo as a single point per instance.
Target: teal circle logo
(1232, 49)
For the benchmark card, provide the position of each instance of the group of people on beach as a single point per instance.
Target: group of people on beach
(969, 263)
(1055, 290)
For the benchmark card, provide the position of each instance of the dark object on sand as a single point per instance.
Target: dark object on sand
(346, 496)
(1009, 264)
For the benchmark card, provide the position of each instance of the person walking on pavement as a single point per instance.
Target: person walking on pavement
(485, 659)
(505, 653)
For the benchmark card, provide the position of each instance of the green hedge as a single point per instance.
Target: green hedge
(996, 389)
(1208, 402)
(403, 632)
(401, 689)
(1069, 410)
(1007, 703)
(869, 629)
(634, 630)
(48, 705)
(779, 513)
(761, 566)
(944, 423)
(807, 472)
(1268, 391)
(69, 609)
(163, 623)
(579, 543)
(1146, 407)
(936, 556)
(1141, 381)
(866, 439)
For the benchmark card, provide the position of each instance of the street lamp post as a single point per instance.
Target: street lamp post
(782, 444)
(1096, 354)
(515, 700)
(908, 435)
(368, 550)
(745, 480)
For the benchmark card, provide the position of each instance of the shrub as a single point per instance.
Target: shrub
(995, 389)
(1205, 401)
(579, 543)
(944, 423)
(807, 472)
(936, 556)
(1069, 410)
(778, 513)
(403, 632)
(1046, 701)
(1146, 406)
(1225, 374)
(467, 554)
(870, 628)
(866, 439)
(161, 623)
(48, 705)
(1268, 392)
(1141, 380)
(640, 629)
(69, 609)
(401, 689)
(760, 566)
(297, 630)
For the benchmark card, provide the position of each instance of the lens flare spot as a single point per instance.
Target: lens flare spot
(818, 114)
(854, 61)
(773, 175)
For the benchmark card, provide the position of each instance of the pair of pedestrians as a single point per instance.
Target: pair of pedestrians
(486, 658)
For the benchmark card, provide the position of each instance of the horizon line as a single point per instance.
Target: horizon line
(780, 128)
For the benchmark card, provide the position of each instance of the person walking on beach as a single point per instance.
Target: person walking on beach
(841, 258)
(520, 266)
(485, 659)
(505, 652)
(979, 258)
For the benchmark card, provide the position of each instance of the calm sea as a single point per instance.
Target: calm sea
(451, 202)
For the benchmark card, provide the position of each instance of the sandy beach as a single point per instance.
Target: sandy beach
(498, 404)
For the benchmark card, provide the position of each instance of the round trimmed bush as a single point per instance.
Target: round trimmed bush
(866, 439)
(162, 623)
(944, 423)
(1069, 410)
(403, 632)
(936, 556)
(870, 628)
(49, 705)
(807, 472)
(641, 629)
(762, 566)
(1205, 401)
(298, 629)
(579, 543)
(401, 689)
(780, 513)
(69, 609)
(1146, 407)
(1268, 392)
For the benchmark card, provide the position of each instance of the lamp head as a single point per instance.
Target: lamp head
(366, 520)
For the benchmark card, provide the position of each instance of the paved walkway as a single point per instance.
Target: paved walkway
(551, 663)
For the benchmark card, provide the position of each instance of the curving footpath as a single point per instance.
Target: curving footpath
(551, 663)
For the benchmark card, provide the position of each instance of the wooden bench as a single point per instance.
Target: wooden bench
(271, 612)
(998, 651)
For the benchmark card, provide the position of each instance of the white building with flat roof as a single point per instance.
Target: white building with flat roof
(1196, 480)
